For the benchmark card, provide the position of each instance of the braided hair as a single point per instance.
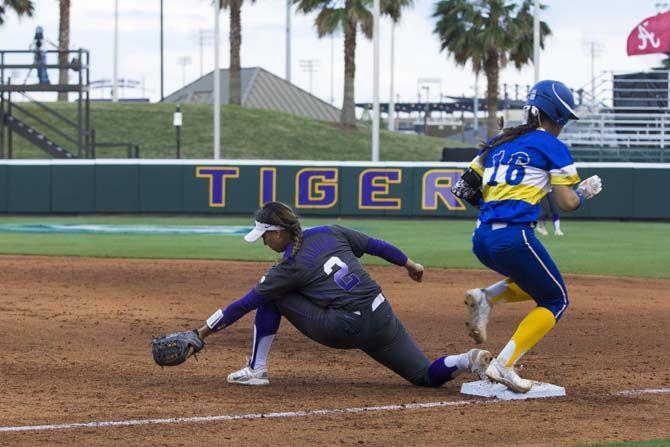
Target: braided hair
(532, 121)
(280, 214)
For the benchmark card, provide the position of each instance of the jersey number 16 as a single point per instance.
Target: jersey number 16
(515, 168)
(342, 278)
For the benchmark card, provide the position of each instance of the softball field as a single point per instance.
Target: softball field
(77, 368)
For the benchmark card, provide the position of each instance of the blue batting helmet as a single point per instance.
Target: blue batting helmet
(555, 99)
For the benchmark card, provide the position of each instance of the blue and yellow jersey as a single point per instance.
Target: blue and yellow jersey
(517, 174)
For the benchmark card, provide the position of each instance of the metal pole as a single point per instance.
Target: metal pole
(288, 40)
(536, 40)
(162, 77)
(178, 142)
(115, 85)
(475, 106)
(391, 112)
(593, 76)
(201, 39)
(375, 83)
(332, 69)
(217, 85)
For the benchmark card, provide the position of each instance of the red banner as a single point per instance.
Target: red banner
(651, 36)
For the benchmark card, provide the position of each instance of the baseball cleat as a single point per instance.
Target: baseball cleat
(479, 308)
(558, 232)
(542, 229)
(497, 372)
(249, 376)
(479, 361)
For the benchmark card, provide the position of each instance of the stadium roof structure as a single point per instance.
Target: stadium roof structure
(261, 90)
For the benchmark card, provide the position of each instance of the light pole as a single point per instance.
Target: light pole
(115, 82)
(288, 40)
(183, 61)
(536, 40)
(309, 66)
(375, 82)
(162, 55)
(202, 38)
(391, 112)
(332, 68)
(217, 84)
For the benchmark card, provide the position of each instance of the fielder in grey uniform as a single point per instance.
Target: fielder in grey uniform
(321, 288)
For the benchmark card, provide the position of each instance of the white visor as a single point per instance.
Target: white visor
(259, 229)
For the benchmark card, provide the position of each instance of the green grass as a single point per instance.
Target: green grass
(651, 443)
(245, 133)
(604, 248)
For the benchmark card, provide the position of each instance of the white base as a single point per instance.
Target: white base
(484, 388)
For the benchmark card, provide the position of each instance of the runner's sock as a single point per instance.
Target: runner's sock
(530, 331)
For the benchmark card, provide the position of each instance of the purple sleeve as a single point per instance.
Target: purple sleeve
(239, 308)
(386, 251)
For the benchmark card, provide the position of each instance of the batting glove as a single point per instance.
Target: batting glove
(590, 187)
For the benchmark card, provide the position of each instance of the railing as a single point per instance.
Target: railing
(623, 117)
(132, 149)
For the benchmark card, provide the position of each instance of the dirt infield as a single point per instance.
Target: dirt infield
(76, 335)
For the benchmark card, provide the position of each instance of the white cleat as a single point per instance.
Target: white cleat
(479, 308)
(541, 228)
(496, 372)
(479, 361)
(558, 232)
(249, 376)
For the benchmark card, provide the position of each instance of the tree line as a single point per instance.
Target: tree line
(488, 34)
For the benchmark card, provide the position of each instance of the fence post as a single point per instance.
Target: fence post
(92, 143)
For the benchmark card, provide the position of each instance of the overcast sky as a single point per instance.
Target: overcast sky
(565, 57)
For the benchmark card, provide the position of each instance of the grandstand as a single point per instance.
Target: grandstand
(623, 117)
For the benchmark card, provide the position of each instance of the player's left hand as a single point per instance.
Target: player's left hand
(414, 270)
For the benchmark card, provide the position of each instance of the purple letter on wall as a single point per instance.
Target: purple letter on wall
(268, 186)
(316, 188)
(374, 186)
(436, 187)
(217, 182)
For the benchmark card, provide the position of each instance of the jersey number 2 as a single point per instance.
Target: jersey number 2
(342, 278)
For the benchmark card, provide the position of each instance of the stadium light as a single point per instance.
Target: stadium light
(375, 83)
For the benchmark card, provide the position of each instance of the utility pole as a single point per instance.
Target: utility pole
(217, 84)
(115, 82)
(375, 82)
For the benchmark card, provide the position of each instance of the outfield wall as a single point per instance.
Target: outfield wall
(631, 190)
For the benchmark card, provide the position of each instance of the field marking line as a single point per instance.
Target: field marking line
(285, 414)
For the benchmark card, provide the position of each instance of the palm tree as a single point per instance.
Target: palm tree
(63, 45)
(488, 34)
(234, 82)
(20, 7)
(349, 16)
